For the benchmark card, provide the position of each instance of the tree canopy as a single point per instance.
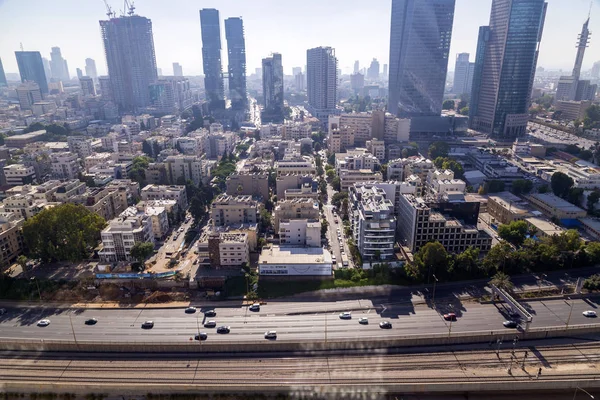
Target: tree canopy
(521, 186)
(561, 184)
(62, 233)
(452, 165)
(138, 170)
(448, 105)
(438, 149)
(141, 251)
(514, 233)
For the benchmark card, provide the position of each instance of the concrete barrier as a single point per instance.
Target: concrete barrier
(264, 346)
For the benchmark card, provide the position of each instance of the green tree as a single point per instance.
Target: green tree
(592, 250)
(337, 199)
(502, 281)
(336, 183)
(265, 220)
(464, 111)
(575, 195)
(324, 227)
(522, 186)
(453, 165)
(22, 262)
(493, 186)
(592, 200)
(438, 149)
(138, 169)
(496, 258)
(468, 260)
(141, 251)
(448, 105)
(430, 259)
(561, 184)
(592, 117)
(330, 175)
(543, 188)
(514, 233)
(63, 233)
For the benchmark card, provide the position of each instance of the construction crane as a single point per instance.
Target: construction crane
(109, 12)
(128, 8)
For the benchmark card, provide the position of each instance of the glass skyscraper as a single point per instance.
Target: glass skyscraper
(420, 36)
(272, 76)
(236, 50)
(211, 57)
(321, 78)
(3, 81)
(506, 60)
(31, 68)
(129, 48)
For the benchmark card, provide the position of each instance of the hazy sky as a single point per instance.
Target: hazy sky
(357, 29)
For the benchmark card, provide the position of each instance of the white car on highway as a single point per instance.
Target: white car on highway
(43, 322)
(271, 335)
(590, 314)
(345, 315)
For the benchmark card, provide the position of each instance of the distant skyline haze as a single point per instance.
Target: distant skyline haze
(357, 30)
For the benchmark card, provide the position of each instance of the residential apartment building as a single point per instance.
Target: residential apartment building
(122, 234)
(322, 82)
(295, 209)
(285, 183)
(164, 192)
(296, 131)
(11, 238)
(65, 166)
(373, 223)
(356, 159)
(80, 145)
(250, 184)
(158, 216)
(452, 223)
(348, 178)
(300, 232)
(181, 169)
(228, 250)
(19, 174)
(298, 165)
(229, 210)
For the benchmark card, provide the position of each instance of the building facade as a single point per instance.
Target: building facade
(420, 36)
(322, 76)
(272, 78)
(31, 69)
(236, 54)
(211, 57)
(507, 53)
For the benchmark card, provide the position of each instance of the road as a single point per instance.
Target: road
(337, 245)
(343, 376)
(173, 241)
(293, 321)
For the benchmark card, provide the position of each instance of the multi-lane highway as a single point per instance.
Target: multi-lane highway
(292, 321)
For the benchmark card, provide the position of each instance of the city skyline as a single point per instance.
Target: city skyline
(263, 35)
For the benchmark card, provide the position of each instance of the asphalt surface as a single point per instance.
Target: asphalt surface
(292, 321)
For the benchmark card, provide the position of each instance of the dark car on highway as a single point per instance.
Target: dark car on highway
(91, 321)
(148, 325)
(223, 329)
(510, 324)
(450, 317)
(385, 325)
(210, 313)
(201, 336)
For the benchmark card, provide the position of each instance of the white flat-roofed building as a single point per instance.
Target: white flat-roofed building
(303, 165)
(505, 207)
(376, 148)
(356, 159)
(95, 159)
(19, 174)
(443, 187)
(306, 191)
(296, 130)
(591, 226)
(269, 131)
(543, 227)
(439, 175)
(301, 208)
(282, 261)
(20, 141)
(228, 250)
(157, 214)
(300, 232)
(163, 192)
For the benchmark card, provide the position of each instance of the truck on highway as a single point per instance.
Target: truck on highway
(345, 260)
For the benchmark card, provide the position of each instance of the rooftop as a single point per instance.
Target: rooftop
(555, 202)
(294, 255)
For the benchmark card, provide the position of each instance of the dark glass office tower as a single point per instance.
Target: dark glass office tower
(272, 70)
(420, 36)
(3, 81)
(506, 60)
(211, 57)
(31, 68)
(129, 48)
(236, 50)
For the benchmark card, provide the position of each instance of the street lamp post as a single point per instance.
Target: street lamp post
(570, 313)
(73, 330)
(433, 297)
(584, 391)
(38, 287)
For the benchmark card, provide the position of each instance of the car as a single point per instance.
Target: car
(210, 313)
(224, 329)
(385, 325)
(510, 324)
(201, 336)
(148, 325)
(590, 314)
(345, 315)
(363, 321)
(190, 310)
(271, 335)
(450, 317)
(333, 259)
(91, 321)
(2, 311)
(255, 307)
(210, 324)
(43, 322)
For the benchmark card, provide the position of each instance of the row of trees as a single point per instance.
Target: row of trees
(523, 255)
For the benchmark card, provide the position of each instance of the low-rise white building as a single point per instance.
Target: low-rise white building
(282, 261)
(122, 234)
(65, 166)
(163, 192)
(300, 232)
(19, 174)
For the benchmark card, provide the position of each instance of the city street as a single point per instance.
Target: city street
(337, 246)
(293, 321)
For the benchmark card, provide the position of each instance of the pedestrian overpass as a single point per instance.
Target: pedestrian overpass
(515, 307)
